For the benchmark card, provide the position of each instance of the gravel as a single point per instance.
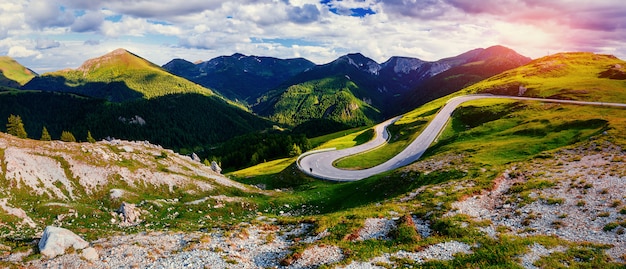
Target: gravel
(587, 195)
(536, 251)
(376, 228)
(440, 251)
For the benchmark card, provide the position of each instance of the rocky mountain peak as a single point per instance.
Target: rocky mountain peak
(403, 65)
(110, 57)
(361, 62)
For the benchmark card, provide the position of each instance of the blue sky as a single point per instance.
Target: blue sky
(52, 35)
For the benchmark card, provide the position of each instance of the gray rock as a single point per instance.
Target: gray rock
(90, 254)
(130, 214)
(194, 157)
(55, 241)
(215, 167)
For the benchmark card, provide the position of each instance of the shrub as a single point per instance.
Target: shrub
(67, 137)
(405, 232)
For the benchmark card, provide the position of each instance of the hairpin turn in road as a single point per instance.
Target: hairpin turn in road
(319, 163)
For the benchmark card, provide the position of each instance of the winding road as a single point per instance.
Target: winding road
(319, 163)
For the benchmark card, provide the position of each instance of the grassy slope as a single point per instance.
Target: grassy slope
(134, 72)
(489, 134)
(575, 76)
(563, 76)
(15, 71)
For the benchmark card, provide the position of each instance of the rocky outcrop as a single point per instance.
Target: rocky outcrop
(129, 214)
(215, 167)
(55, 241)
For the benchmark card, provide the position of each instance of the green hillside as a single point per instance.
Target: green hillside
(330, 98)
(11, 70)
(522, 129)
(118, 76)
(505, 153)
(578, 76)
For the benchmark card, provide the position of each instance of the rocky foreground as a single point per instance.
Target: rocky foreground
(573, 195)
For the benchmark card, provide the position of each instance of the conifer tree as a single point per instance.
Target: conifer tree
(90, 138)
(45, 136)
(67, 137)
(15, 127)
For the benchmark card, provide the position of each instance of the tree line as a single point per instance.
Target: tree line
(15, 127)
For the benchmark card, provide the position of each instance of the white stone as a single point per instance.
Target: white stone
(55, 241)
(90, 254)
(116, 193)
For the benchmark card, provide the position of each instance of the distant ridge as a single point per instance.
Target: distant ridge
(395, 86)
(476, 65)
(117, 76)
(239, 77)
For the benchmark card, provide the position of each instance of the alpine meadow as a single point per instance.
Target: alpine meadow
(312, 134)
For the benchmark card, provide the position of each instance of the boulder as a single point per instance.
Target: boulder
(90, 254)
(194, 157)
(55, 241)
(130, 214)
(216, 168)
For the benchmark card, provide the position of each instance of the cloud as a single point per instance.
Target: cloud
(42, 13)
(419, 9)
(90, 21)
(21, 52)
(129, 26)
(212, 41)
(305, 14)
(43, 44)
(92, 42)
(11, 18)
(163, 8)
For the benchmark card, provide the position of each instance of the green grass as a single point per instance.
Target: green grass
(15, 71)
(330, 98)
(343, 139)
(403, 132)
(564, 75)
(528, 129)
(124, 71)
(264, 169)
(316, 142)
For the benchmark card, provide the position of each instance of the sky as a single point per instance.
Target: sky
(53, 35)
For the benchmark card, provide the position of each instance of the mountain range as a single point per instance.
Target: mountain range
(505, 180)
(239, 77)
(380, 90)
(192, 107)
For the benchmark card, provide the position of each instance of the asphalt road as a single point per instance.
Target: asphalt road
(319, 164)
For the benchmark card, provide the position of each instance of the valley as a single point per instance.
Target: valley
(515, 163)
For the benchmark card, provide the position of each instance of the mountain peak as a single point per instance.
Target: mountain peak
(361, 62)
(403, 65)
(118, 51)
(119, 56)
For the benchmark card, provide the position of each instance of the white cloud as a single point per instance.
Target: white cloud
(43, 44)
(129, 26)
(426, 29)
(21, 52)
(42, 13)
(90, 21)
(11, 18)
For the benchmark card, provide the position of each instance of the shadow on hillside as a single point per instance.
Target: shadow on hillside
(116, 91)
